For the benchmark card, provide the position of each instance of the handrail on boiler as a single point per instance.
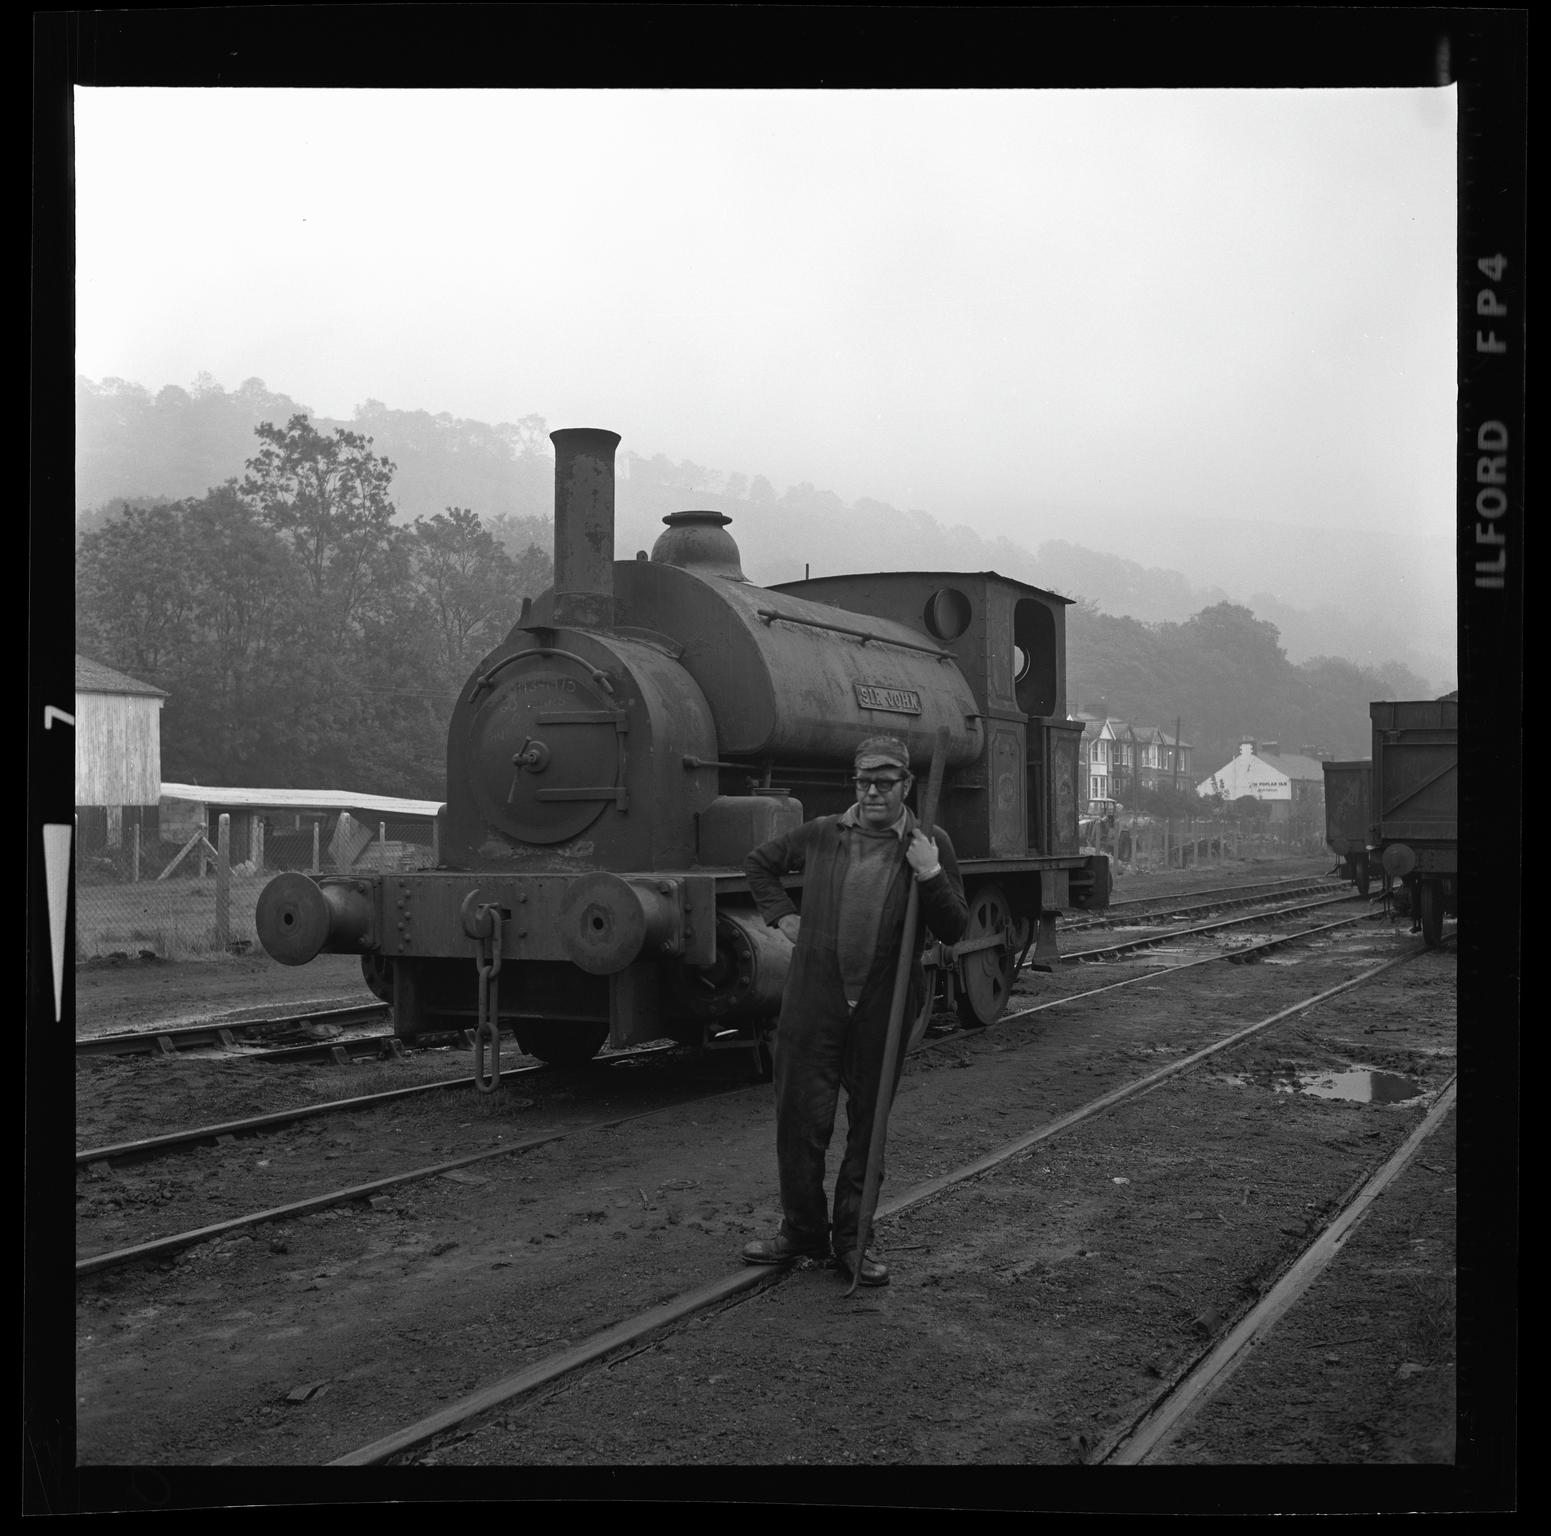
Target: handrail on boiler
(769, 616)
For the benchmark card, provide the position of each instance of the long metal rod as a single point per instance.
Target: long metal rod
(907, 952)
(770, 615)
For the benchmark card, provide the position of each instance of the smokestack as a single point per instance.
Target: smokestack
(584, 526)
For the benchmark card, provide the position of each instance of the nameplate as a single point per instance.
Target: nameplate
(899, 701)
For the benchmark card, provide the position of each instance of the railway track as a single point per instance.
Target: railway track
(639, 1332)
(1141, 1442)
(252, 1125)
(1135, 1443)
(99, 1158)
(369, 1048)
(1210, 929)
(278, 1037)
(372, 1047)
(1120, 913)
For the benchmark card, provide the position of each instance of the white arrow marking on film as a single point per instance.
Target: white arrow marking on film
(56, 865)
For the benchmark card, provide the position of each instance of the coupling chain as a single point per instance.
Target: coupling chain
(487, 964)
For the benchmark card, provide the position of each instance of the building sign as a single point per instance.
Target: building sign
(899, 701)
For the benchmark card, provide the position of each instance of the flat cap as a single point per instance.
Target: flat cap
(883, 752)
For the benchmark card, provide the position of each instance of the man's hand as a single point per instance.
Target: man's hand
(789, 925)
(922, 855)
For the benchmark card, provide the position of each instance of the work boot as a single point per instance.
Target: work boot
(780, 1248)
(873, 1270)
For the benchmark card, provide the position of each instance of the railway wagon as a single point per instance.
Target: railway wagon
(648, 722)
(1349, 818)
(1416, 804)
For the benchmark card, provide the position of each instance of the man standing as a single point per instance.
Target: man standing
(856, 870)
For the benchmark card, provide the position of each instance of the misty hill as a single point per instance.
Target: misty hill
(136, 446)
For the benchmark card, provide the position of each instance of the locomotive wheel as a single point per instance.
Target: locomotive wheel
(377, 973)
(985, 976)
(565, 1044)
(1430, 902)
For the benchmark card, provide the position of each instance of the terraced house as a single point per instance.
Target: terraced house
(1122, 758)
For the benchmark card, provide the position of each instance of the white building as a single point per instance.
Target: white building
(1292, 783)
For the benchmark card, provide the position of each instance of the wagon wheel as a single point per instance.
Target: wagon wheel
(1362, 875)
(1430, 904)
(572, 1043)
(985, 975)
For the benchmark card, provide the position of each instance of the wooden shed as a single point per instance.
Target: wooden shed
(118, 755)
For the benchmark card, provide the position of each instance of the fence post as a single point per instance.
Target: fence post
(223, 879)
(436, 842)
(315, 865)
(382, 848)
(256, 842)
(134, 856)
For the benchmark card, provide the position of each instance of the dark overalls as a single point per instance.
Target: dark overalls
(822, 1044)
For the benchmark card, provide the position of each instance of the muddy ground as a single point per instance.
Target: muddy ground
(1035, 1312)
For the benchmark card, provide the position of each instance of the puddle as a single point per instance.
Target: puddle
(1358, 1085)
(1361, 1086)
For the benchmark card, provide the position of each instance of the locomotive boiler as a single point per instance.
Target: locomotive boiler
(643, 726)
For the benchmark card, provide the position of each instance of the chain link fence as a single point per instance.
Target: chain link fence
(181, 900)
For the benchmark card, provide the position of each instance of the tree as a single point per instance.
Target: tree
(516, 535)
(467, 581)
(134, 591)
(1231, 630)
(1165, 800)
(1397, 681)
(231, 711)
(329, 497)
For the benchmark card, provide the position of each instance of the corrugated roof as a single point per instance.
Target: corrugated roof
(300, 800)
(92, 677)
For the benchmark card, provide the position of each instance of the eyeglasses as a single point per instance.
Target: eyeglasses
(883, 786)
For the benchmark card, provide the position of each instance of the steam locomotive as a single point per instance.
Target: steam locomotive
(643, 726)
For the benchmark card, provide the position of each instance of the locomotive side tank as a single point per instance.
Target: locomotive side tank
(642, 727)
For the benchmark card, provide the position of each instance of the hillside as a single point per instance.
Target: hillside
(137, 446)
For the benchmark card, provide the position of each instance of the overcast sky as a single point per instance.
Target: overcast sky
(1116, 303)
